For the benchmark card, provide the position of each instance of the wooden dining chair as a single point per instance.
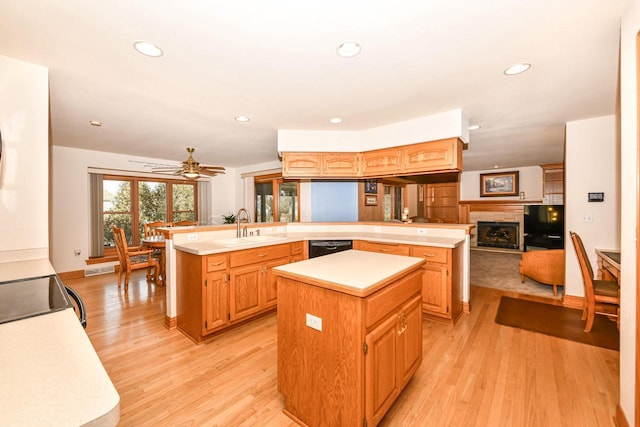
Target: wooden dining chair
(133, 258)
(151, 228)
(599, 294)
(184, 223)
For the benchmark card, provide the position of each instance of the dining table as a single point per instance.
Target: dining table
(157, 242)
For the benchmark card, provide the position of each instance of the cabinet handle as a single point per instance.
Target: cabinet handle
(403, 321)
(262, 255)
(215, 264)
(430, 255)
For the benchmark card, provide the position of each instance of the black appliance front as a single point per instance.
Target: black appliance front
(325, 247)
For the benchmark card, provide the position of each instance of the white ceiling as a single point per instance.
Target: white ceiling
(275, 62)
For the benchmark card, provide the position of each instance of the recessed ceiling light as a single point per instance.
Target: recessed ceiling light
(348, 49)
(474, 127)
(147, 48)
(95, 123)
(517, 69)
(241, 119)
(496, 166)
(335, 120)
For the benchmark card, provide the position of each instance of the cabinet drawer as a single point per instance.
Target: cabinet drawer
(297, 248)
(383, 302)
(431, 254)
(384, 248)
(252, 256)
(217, 262)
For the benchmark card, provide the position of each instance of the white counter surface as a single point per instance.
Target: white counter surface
(50, 373)
(209, 247)
(358, 273)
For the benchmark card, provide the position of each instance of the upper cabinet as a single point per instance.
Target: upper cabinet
(382, 162)
(553, 183)
(444, 155)
(427, 157)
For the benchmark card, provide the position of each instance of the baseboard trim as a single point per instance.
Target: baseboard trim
(466, 307)
(621, 419)
(67, 275)
(572, 301)
(170, 322)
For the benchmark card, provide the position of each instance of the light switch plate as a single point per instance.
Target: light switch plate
(192, 236)
(314, 322)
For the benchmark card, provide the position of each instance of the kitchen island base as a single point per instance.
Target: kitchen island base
(343, 359)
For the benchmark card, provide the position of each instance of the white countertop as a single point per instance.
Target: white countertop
(50, 373)
(355, 272)
(209, 247)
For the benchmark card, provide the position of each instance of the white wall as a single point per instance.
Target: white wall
(628, 234)
(530, 179)
(24, 168)
(591, 165)
(70, 198)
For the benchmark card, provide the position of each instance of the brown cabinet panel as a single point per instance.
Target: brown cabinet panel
(340, 164)
(216, 306)
(435, 289)
(257, 255)
(382, 247)
(435, 155)
(244, 291)
(382, 162)
(301, 164)
(270, 282)
(217, 262)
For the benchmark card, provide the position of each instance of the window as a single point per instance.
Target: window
(130, 202)
(285, 207)
(392, 202)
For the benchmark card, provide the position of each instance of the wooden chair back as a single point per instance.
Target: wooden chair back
(184, 223)
(150, 228)
(585, 266)
(132, 258)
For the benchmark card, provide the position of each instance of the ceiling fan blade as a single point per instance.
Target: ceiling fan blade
(209, 173)
(218, 168)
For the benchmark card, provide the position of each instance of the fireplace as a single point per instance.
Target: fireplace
(499, 234)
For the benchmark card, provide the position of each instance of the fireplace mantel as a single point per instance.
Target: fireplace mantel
(465, 207)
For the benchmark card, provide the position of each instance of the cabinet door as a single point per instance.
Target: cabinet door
(431, 156)
(340, 164)
(270, 282)
(382, 247)
(216, 302)
(435, 289)
(381, 162)
(381, 369)
(410, 340)
(244, 294)
(301, 164)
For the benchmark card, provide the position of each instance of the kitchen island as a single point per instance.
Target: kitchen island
(349, 335)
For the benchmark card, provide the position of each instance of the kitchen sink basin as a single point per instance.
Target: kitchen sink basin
(247, 240)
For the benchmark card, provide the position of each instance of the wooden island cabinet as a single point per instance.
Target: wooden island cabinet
(349, 335)
(222, 290)
(441, 279)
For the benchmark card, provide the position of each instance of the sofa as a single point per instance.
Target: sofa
(545, 267)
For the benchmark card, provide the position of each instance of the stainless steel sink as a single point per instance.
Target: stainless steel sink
(246, 240)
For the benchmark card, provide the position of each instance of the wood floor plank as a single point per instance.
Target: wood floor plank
(477, 373)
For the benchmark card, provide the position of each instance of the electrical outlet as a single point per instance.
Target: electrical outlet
(76, 252)
(587, 218)
(377, 229)
(422, 231)
(192, 237)
(314, 322)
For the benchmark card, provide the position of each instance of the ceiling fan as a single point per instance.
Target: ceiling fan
(191, 169)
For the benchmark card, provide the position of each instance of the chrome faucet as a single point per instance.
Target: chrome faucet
(247, 217)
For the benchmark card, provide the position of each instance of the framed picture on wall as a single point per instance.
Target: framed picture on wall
(371, 186)
(499, 184)
(371, 200)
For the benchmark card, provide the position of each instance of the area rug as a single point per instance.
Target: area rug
(557, 321)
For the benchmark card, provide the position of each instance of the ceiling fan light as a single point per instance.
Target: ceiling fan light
(191, 175)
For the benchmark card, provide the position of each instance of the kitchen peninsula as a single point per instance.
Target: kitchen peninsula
(216, 280)
(349, 335)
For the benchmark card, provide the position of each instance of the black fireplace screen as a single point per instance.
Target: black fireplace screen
(499, 234)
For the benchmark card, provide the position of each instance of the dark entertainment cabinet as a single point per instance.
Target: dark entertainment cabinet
(543, 227)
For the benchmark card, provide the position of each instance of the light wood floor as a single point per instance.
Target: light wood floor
(477, 373)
